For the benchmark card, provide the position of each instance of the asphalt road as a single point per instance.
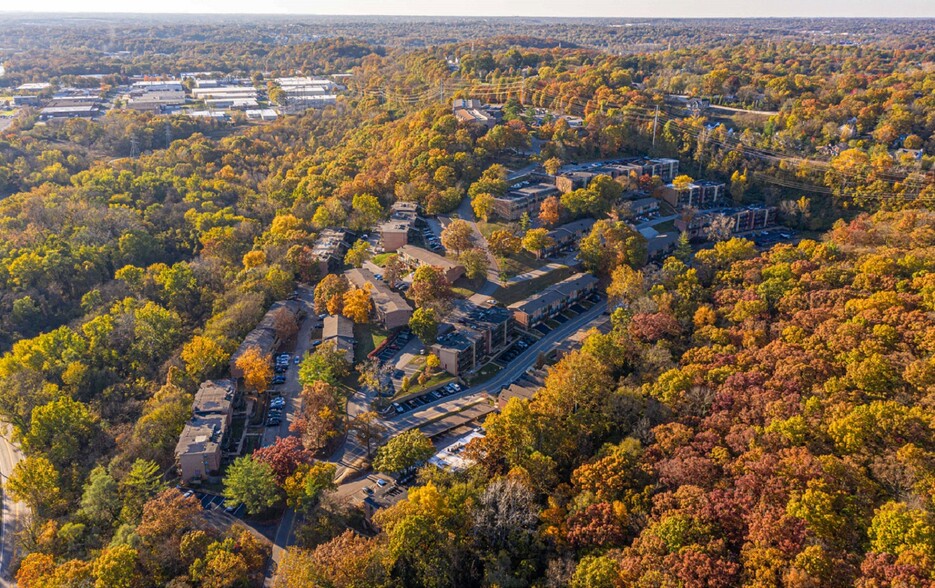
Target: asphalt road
(14, 513)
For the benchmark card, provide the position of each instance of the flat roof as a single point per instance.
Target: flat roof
(213, 396)
(201, 434)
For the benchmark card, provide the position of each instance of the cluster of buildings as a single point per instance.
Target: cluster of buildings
(67, 103)
(628, 167)
(471, 335)
(199, 451)
(547, 303)
(217, 95)
(156, 96)
(472, 111)
(741, 220)
(301, 93)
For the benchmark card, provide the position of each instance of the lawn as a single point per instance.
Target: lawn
(416, 388)
(484, 374)
(369, 337)
(520, 263)
(517, 292)
(487, 228)
(666, 227)
(380, 259)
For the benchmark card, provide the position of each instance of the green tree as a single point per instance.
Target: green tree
(100, 501)
(429, 288)
(63, 430)
(403, 452)
(475, 264)
(424, 324)
(357, 254)
(253, 483)
(142, 483)
(325, 364)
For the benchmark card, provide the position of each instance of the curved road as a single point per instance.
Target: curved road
(14, 513)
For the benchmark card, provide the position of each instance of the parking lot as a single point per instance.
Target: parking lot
(769, 237)
(423, 399)
(514, 350)
(394, 346)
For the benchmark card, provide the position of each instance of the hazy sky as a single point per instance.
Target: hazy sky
(611, 8)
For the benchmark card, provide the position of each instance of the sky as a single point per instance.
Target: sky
(588, 8)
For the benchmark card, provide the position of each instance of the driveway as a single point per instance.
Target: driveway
(15, 514)
(291, 389)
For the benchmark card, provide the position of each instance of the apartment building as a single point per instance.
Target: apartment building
(329, 249)
(340, 331)
(390, 308)
(394, 233)
(264, 337)
(569, 234)
(750, 218)
(553, 300)
(698, 194)
(417, 256)
(199, 451)
(474, 335)
(525, 198)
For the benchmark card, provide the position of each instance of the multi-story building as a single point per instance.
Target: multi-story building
(698, 194)
(750, 218)
(665, 168)
(642, 206)
(575, 180)
(514, 203)
(417, 256)
(390, 308)
(553, 300)
(394, 232)
(329, 249)
(474, 335)
(199, 450)
(265, 338)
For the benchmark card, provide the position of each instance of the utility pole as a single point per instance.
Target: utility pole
(655, 124)
(168, 135)
(134, 147)
(441, 91)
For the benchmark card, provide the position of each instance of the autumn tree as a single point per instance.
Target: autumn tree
(358, 254)
(257, 369)
(458, 236)
(308, 482)
(429, 288)
(550, 211)
(502, 242)
(320, 418)
(537, 240)
(367, 429)
(393, 270)
(357, 304)
(35, 482)
(205, 357)
(329, 293)
(283, 456)
(482, 205)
